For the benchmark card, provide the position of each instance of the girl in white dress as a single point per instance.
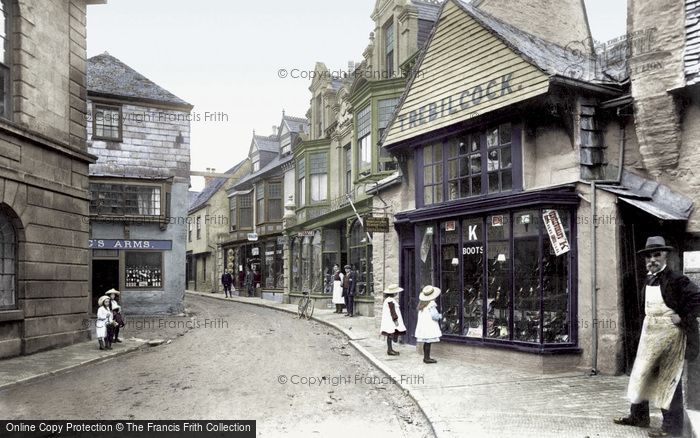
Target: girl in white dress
(104, 318)
(427, 327)
(392, 322)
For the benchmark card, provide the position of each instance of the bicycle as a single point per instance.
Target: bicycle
(306, 306)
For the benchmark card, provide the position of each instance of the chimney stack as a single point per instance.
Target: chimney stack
(274, 130)
(207, 179)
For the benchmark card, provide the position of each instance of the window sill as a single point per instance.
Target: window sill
(11, 315)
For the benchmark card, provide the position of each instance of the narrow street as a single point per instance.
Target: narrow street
(233, 372)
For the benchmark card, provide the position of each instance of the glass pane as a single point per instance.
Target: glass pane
(464, 191)
(143, 269)
(507, 180)
(505, 132)
(438, 193)
(453, 169)
(425, 261)
(494, 186)
(453, 190)
(476, 185)
(498, 227)
(506, 159)
(428, 195)
(493, 161)
(438, 174)
(438, 152)
(555, 285)
(475, 166)
(449, 283)
(452, 149)
(464, 166)
(317, 269)
(498, 303)
(492, 138)
(475, 143)
(463, 145)
(472, 261)
(527, 272)
(427, 155)
(428, 175)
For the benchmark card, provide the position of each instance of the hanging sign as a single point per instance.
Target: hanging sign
(374, 224)
(556, 232)
(252, 237)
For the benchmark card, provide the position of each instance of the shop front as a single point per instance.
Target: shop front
(265, 259)
(508, 278)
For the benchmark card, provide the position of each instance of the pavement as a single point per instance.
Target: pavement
(458, 398)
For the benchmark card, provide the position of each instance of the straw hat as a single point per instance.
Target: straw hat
(655, 243)
(393, 289)
(429, 293)
(102, 299)
(113, 291)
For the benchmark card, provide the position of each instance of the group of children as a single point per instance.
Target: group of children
(109, 319)
(427, 326)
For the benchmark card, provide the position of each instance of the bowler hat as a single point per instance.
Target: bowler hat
(393, 289)
(655, 243)
(429, 293)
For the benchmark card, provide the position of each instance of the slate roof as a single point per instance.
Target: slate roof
(210, 189)
(294, 123)
(269, 168)
(109, 76)
(427, 10)
(267, 144)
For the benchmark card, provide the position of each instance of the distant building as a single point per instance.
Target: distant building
(138, 187)
(43, 175)
(208, 223)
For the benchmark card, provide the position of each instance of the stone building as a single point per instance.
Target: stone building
(44, 195)
(208, 223)
(341, 161)
(140, 134)
(256, 206)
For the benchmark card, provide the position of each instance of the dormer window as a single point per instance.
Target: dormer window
(389, 47)
(256, 165)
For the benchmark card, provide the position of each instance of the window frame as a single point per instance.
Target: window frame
(363, 122)
(13, 261)
(6, 69)
(389, 47)
(162, 271)
(96, 106)
(163, 209)
(385, 161)
(269, 186)
(198, 221)
(301, 182)
(321, 174)
(240, 208)
(347, 159)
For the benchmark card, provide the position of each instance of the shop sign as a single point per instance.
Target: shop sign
(497, 221)
(472, 250)
(450, 226)
(374, 224)
(252, 237)
(153, 245)
(255, 251)
(557, 234)
(306, 233)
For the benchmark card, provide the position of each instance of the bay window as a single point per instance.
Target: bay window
(318, 170)
(125, 199)
(364, 140)
(245, 211)
(274, 201)
(385, 109)
(260, 202)
(301, 182)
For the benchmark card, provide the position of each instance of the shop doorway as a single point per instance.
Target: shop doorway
(409, 297)
(105, 276)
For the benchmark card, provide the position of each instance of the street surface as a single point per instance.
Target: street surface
(236, 361)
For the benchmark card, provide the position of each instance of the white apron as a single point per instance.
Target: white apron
(662, 347)
(388, 326)
(427, 330)
(338, 290)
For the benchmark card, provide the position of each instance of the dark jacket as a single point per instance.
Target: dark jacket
(351, 284)
(226, 279)
(683, 297)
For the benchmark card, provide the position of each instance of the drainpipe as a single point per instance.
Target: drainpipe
(594, 246)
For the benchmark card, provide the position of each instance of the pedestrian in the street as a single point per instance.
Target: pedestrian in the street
(226, 281)
(349, 288)
(113, 332)
(338, 300)
(249, 282)
(427, 325)
(392, 322)
(104, 320)
(669, 335)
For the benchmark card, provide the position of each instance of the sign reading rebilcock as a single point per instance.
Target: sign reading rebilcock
(376, 224)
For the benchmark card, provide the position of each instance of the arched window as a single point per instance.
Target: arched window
(8, 260)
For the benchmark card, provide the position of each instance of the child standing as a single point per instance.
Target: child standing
(392, 323)
(427, 327)
(104, 319)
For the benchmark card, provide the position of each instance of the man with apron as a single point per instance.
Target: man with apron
(669, 335)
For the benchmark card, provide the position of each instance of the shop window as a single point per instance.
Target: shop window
(274, 201)
(106, 123)
(296, 263)
(301, 182)
(497, 275)
(364, 140)
(360, 258)
(274, 275)
(385, 109)
(260, 203)
(306, 264)
(318, 171)
(8, 262)
(556, 298)
(125, 199)
(5, 61)
(473, 277)
(143, 269)
(331, 252)
(449, 259)
(426, 267)
(432, 174)
(317, 263)
(245, 211)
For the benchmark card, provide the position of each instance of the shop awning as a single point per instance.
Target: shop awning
(651, 197)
